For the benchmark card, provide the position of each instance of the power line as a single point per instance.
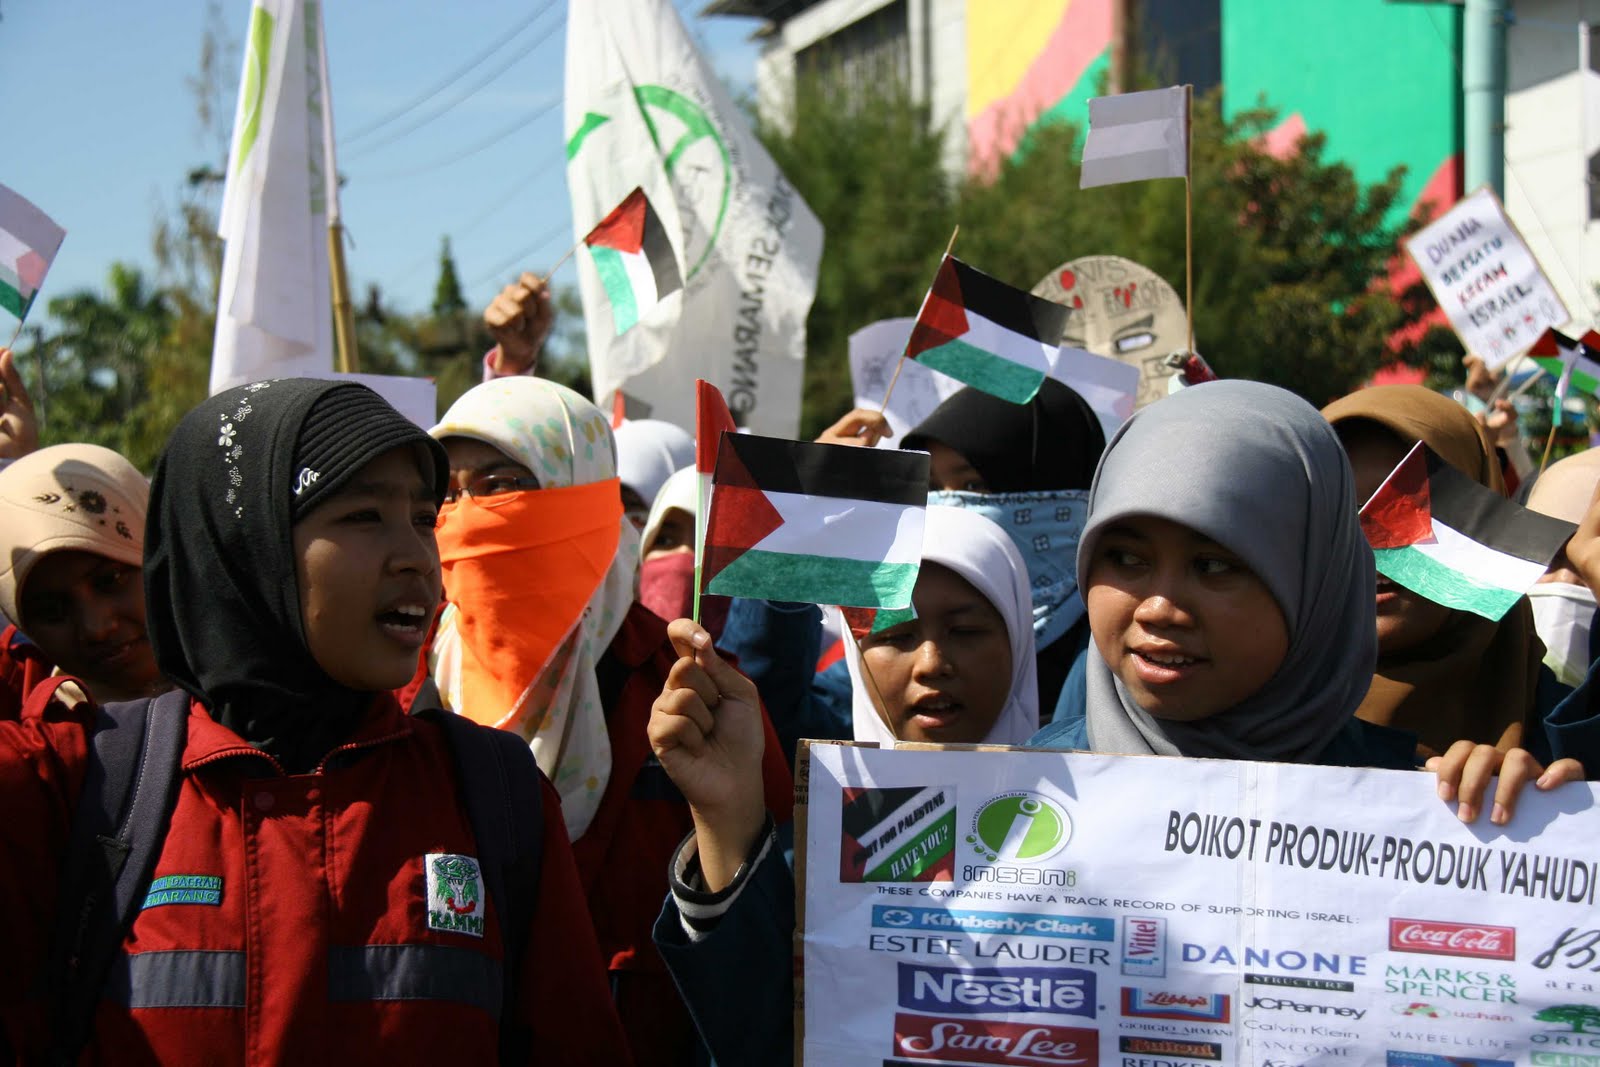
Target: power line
(506, 264)
(472, 150)
(480, 85)
(466, 68)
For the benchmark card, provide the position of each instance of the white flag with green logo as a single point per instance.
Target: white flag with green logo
(274, 308)
(644, 109)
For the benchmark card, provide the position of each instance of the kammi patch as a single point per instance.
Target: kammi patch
(184, 889)
(455, 893)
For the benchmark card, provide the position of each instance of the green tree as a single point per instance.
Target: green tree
(1578, 1016)
(447, 298)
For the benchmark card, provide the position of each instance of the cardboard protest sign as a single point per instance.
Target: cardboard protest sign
(874, 351)
(1484, 277)
(1024, 907)
(1122, 310)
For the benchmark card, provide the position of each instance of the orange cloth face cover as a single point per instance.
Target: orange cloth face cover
(520, 569)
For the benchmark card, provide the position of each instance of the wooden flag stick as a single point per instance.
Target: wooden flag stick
(1549, 442)
(565, 256)
(1188, 209)
(1533, 380)
(872, 683)
(901, 362)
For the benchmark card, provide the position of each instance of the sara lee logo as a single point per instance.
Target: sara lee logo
(1021, 827)
(1164, 1004)
(987, 1041)
(992, 990)
(1013, 923)
(1167, 1046)
(1438, 938)
(1144, 947)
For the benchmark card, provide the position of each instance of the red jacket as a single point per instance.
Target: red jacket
(290, 917)
(22, 666)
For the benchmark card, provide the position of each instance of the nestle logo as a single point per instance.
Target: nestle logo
(989, 1041)
(1051, 990)
(1453, 939)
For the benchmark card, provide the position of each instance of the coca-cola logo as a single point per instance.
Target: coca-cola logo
(988, 1041)
(1437, 938)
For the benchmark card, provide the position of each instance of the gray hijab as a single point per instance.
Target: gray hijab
(1259, 471)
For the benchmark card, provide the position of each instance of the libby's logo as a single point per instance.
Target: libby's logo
(1164, 1004)
(1436, 938)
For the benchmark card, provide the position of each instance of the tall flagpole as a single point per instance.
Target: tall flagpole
(347, 359)
(1188, 209)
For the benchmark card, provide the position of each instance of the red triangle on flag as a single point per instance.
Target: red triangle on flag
(1400, 513)
(943, 317)
(741, 515)
(623, 229)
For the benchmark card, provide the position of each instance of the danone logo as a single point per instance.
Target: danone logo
(1453, 939)
(455, 893)
(1021, 827)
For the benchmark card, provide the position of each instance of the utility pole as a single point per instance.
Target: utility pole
(1483, 93)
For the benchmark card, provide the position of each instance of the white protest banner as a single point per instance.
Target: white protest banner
(1030, 908)
(1486, 280)
(644, 109)
(875, 349)
(1109, 386)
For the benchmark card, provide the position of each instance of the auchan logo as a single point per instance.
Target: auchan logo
(1436, 938)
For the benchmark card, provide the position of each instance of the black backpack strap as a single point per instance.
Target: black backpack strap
(502, 788)
(116, 837)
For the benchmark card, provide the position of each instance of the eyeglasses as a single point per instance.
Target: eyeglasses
(491, 485)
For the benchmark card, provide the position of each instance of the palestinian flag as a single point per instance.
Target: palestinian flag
(822, 524)
(635, 260)
(979, 330)
(1442, 535)
(28, 243)
(1571, 362)
(897, 835)
(711, 420)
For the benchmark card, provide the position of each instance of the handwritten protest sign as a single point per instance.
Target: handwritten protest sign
(874, 351)
(1029, 908)
(1486, 280)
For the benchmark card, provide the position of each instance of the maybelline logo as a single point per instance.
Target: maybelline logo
(1144, 947)
(992, 1041)
(1304, 1008)
(1439, 938)
(1015, 924)
(982, 990)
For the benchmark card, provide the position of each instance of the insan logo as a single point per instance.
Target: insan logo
(1021, 827)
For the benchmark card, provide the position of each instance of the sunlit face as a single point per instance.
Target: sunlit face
(945, 675)
(1405, 619)
(949, 469)
(368, 570)
(1188, 628)
(86, 614)
(674, 535)
(475, 463)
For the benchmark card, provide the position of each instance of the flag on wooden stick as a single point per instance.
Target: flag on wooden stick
(820, 524)
(981, 331)
(1442, 535)
(1573, 362)
(1135, 137)
(634, 258)
(29, 240)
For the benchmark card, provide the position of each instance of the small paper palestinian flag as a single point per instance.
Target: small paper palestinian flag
(981, 331)
(635, 260)
(907, 834)
(29, 240)
(820, 524)
(1573, 362)
(711, 420)
(1442, 535)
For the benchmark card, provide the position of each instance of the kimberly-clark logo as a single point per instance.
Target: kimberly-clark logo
(1012, 923)
(1165, 1004)
(1047, 990)
(1437, 938)
(1144, 947)
(992, 1041)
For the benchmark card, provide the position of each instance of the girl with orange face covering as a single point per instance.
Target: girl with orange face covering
(542, 635)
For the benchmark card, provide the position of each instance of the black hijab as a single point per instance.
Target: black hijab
(222, 602)
(1053, 441)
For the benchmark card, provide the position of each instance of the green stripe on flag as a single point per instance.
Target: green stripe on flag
(1581, 381)
(984, 370)
(614, 276)
(925, 851)
(1428, 577)
(11, 299)
(851, 583)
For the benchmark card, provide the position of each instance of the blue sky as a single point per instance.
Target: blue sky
(101, 129)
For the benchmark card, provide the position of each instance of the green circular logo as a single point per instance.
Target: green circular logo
(1022, 827)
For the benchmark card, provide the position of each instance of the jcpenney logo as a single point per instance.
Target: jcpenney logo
(988, 1041)
(1453, 939)
(1284, 1004)
(1048, 990)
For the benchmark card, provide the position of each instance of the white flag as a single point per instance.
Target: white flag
(274, 308)
(1136, 136)
(644, 109)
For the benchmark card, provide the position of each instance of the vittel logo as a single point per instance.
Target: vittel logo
(1144, 947)
(1046, 990)
(1453, 939)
